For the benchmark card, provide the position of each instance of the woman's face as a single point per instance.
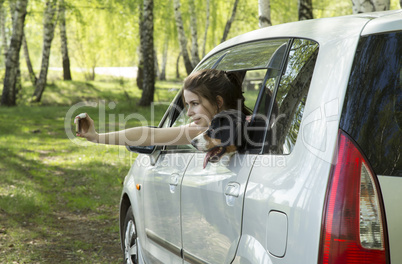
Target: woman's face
(199, 109)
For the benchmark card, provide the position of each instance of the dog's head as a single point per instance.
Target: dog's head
(222, 137)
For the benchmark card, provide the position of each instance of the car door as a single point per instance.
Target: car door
(161, 198)
(211, 202)
(212, 197)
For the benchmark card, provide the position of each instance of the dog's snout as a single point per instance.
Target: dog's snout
(194, 142)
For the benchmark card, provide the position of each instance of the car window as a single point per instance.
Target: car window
(372, 111)
(290, 97)
(266, 72)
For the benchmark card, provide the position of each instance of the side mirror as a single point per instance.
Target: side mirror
(142, 149)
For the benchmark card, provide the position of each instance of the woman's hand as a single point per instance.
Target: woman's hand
(86, 127)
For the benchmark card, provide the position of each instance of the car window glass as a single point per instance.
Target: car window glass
(246, 56)
(290, 97)
(371, 112)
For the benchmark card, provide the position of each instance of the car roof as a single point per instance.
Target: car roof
(323, 30)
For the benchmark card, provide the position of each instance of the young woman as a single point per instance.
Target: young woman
(205, 93)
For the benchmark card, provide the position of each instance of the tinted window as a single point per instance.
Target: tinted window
(372, 108)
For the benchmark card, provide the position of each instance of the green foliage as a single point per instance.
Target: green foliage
(105, 32)
(59, 196)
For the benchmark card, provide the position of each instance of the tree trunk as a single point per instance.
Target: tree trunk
(162, 74)
(206, 27)
(264, 13)
(31, 72)
(49, 24)
(63, 41)
(182, 37)
(230, 21)
(148, 87)
(177, 66)
(305, 9)
(140, 71)
(10, 88)
(195, 57)
(363, 6)
(3, 29)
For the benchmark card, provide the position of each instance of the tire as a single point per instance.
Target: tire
(130, 239)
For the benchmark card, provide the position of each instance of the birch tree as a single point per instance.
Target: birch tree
(31, 72)
(140, 68)
(229, 22)
(148, 87)
(264, 13)
(305, 9)
(63, 41)
(162, 74)
(363, 6)
(182, 37)
(195, 58)
(207, 14)
(49, 24)
(9, 95)
(3, 29)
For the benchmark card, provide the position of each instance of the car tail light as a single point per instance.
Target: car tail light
(353, 229)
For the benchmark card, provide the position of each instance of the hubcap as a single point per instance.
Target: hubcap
(130, 244)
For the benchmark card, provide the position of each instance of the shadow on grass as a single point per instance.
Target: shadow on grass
(49, 212)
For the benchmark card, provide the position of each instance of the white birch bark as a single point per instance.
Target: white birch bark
(182, 37)
(49, 24)
(162, 74)
(31, 72)
(63, 42)
(12, 63)
(3, 30)
(207, 13)
(264, 13)
(364, 6)
(148, 85)
(229, 22)
(195, 58)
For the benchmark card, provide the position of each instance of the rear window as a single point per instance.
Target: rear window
(373, 102)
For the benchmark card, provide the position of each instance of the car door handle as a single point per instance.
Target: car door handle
(232, 189)
(174, 179)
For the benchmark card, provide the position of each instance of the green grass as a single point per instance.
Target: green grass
(59, 195)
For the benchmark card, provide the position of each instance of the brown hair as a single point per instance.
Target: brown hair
(209, 83)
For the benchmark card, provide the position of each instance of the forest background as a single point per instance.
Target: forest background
(59, 197)
(111, 33)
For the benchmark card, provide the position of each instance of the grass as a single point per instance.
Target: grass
(59, 195)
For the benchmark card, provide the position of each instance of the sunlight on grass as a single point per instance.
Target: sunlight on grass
(52, 187)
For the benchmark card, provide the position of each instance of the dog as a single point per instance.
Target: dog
(223, 136)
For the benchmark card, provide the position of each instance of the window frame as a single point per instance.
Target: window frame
(173, 112)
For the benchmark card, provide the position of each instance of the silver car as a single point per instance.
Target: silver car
(320, 179)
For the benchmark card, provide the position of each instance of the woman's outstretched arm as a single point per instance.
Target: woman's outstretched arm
(140, 136)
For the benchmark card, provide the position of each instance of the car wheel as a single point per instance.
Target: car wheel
(130, 240)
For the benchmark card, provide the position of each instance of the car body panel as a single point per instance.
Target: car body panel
(161, 200)
(294, 186)
(391, 188)
(212, 207)
(277, 216)
(385, 23)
